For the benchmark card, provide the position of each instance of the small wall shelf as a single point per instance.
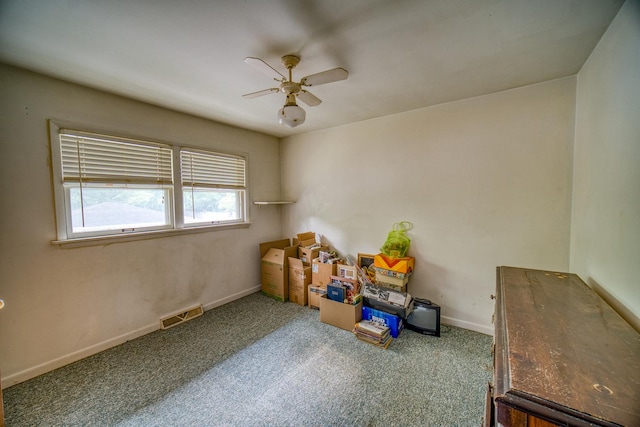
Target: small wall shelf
(273, 203)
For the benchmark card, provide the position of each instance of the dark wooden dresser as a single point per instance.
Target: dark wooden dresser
(562, 356)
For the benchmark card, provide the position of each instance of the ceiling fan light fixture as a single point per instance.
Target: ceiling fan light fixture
(291, 116)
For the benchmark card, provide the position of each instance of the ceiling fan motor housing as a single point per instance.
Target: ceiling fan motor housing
(290, 87)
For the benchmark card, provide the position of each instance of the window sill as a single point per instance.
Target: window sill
(122, 238)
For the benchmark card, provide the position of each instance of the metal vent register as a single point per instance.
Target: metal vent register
(176, 319)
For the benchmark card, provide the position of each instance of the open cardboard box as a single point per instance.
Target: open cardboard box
(321, 273)
(274, 273)
(307, 239)
(309, 247)
(339, 314)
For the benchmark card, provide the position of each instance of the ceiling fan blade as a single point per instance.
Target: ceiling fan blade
(265, 68)
(325, 77)
(261, 93)
(308, 98)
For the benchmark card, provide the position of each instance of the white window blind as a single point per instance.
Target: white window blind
(90, 158)
(212, 170)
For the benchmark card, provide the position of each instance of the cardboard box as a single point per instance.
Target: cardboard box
(315, 292)
(274, 273)
(339, 314)
(351, 288)
(307, 239)
(402, 265)
(395, 323)
(391, 281)
(402, 288)
(321, 273)
(395, 274)
(299, 279)
(309, 254)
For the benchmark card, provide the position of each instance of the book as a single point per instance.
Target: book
(382, 344)
(373, 333)
(371, 327)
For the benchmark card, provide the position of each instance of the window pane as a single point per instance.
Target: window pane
(112, 208)
(202, 205)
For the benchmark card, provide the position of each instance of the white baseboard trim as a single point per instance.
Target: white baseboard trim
(487, 330)
(230, 298)
(61, 361)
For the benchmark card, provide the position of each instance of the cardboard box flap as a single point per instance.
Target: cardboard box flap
(279, 244)
(275, 256)
(307, 239)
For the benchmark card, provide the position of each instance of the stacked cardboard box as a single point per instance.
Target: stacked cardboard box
(315, 292)
(342, 304)
(297, 272)
(275, 268)
(386, 301)
(307, 272)
(393, 272)
(309, 247)
(299, 280)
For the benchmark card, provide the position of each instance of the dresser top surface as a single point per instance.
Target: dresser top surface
(562, 344)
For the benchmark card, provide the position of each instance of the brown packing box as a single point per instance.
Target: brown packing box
(339, 314)
(275, 268)
(321, 273)
(308, 249)
(315, 293)
(307, 239)
(299, 278)
(309, 254)
(402, 288)
(392, 282)
(401, 265)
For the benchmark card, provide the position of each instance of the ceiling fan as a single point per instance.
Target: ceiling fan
(290, 114)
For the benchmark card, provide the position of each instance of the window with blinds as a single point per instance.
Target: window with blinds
(213, 187)
(91, 159)
(107, 186)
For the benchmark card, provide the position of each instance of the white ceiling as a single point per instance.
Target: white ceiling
(401, 54)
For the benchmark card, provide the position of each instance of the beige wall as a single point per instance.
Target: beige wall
(62, 304)
(605, 238)
(485, 181)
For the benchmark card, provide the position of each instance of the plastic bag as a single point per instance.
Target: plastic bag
(397, 243)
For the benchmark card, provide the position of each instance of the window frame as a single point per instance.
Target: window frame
(176, 226)
(209, 182)
(169, 212)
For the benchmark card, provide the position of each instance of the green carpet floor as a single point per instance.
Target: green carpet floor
(259, 362)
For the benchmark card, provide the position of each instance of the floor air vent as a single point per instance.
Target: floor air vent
(176, 319)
